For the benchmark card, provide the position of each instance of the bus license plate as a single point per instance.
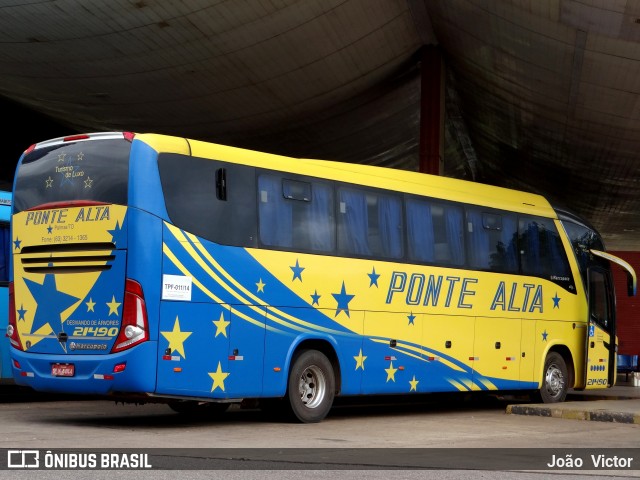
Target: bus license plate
(63, 370)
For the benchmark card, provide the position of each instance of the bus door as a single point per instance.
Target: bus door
(601, 332)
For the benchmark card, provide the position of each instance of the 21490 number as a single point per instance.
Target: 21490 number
(95, 332)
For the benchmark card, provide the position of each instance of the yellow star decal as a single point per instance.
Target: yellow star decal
(414, 384)
(218, 378)
(113, 306)
(176, 338)
(260, 286)
(360, 360)
(90, 304)
(221, 325)
(49, 182)
(391, 372)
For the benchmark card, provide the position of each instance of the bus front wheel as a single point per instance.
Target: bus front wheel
(555, 382)
(311, 386)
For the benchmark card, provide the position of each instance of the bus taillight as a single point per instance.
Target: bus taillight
(135, 327)
(12, 328)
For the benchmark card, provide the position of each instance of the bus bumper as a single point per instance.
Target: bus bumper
(128, 371)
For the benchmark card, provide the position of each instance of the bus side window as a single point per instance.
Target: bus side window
(420, 233)
(296, 214)
(274, 212)
(212, 199)
(369, 223)
(492, 240)
(448, 234)
(541, 250)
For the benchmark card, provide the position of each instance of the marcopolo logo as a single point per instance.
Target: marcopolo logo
(23, 459)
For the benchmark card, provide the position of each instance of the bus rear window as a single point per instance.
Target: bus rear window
(95, 170)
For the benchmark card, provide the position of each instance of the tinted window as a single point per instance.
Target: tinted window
(95, 170)
(541, 251)
(492, 240)
(369, 223)
(211, 199)
(448, 234)
(296, 214)
(434, 231)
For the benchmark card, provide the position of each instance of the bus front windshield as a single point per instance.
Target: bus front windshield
(86, 170)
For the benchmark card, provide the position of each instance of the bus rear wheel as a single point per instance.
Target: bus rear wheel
(555, 382)
(311, 386)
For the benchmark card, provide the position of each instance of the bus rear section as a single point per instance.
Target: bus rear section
(77, 323)
(6, 376)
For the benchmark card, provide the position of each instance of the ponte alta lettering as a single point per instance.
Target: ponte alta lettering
(85, 214)
(459, 292)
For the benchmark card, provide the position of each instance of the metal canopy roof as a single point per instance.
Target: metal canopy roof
(542, 95)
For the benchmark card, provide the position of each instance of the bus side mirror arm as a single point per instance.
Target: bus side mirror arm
(632, 280)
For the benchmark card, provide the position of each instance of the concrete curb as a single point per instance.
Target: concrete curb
(575, 414)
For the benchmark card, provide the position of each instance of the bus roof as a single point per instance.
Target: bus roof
(367, 175)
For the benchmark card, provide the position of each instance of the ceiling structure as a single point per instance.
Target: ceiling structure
(541, 95)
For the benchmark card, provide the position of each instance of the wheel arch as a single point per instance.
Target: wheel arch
(566, 355)
(324, 346)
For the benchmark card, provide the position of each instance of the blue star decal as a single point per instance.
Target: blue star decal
(17, 243)
(556, 301)
(373, 276)
(118, 235)
(49, 229)
(297, 271)
(316, 298)
(411, 318)
(52, 301)
(21, 312)
(544, 336)
(343, 300)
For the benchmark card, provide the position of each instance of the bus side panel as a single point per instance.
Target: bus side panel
(5, 260)
(497, 350)
(191, 347)
(448, 342)
(209, 302)
(5, 365)
(556, 335)
(528, 355)
(389, 368)
(281, 345)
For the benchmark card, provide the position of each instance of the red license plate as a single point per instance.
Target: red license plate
(63, 370)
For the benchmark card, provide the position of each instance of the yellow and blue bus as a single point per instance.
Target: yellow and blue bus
(156, 268)
(6, 375)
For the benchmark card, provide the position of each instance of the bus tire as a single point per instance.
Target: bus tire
(311, 386)
(555, 380)
(200, 409)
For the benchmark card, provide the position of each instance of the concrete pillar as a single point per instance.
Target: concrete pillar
(431, 148)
